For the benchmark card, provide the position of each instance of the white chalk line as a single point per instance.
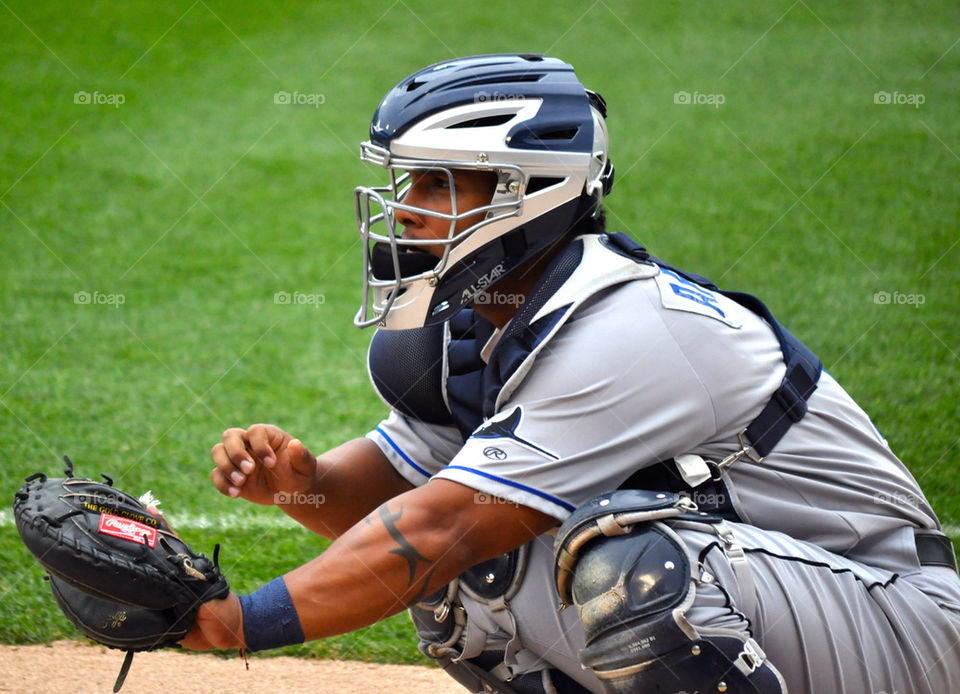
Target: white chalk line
(203, 521)
(246, 521)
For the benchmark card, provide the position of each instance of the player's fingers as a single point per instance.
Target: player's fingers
(223, 485)
(258, 441)
(232, 471)
(235, 448)
(226, 477)
(302, 461)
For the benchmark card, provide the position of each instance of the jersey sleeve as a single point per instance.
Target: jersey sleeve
(625, 383)
(417, 450)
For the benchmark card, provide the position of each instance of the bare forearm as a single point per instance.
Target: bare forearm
(370, 573)
(404, 550)
(407, 548)
(352, 480)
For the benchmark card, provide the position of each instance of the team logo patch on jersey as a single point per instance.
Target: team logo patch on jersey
(505, 427)
(680, 294)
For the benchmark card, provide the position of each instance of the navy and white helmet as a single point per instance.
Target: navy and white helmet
(526, 118)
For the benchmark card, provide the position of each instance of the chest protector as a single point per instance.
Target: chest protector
(436, 374)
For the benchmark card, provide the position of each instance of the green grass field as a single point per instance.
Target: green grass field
(198, 199)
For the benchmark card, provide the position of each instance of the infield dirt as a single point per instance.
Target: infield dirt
(68, 666)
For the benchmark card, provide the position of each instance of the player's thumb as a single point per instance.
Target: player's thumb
(302, 461)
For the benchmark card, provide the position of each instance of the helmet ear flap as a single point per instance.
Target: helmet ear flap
(600, 171)
(606, 178)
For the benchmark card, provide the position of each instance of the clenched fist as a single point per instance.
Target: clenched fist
(260, 463)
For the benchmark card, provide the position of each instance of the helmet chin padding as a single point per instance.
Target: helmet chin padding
(410, 262)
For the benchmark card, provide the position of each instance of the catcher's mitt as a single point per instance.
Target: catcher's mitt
(121, 575)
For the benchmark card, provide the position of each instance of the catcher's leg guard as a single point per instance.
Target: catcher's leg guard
(462, 649)
(632, 581)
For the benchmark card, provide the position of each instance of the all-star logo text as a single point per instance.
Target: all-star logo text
(482, 283)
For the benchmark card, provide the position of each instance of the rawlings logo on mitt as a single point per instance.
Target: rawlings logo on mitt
(122, 576)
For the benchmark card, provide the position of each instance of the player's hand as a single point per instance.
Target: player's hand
(260, 463)
(219, 625)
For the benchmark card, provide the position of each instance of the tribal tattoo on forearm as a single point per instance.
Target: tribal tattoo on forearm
(405, 550)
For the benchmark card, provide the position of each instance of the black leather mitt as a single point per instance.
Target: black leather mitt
(122, 576)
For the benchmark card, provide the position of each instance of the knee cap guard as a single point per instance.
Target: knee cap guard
(632, 582)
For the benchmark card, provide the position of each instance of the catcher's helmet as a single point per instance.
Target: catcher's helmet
(525, 118)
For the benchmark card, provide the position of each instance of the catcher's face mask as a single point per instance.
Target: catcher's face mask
(411, 227)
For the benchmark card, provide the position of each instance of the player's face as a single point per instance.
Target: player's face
(431, 190)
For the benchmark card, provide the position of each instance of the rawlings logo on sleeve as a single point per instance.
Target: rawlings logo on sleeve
(127, 529)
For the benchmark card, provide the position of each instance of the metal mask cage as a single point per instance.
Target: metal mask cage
(507, 201)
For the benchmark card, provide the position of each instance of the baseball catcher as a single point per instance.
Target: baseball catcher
(120, 574)
(574, 422)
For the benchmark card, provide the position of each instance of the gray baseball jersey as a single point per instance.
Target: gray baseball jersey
(645, 366)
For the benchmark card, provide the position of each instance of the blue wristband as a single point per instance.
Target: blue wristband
(269, 618)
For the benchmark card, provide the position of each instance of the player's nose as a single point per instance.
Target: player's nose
(406, 218)
(409, 219)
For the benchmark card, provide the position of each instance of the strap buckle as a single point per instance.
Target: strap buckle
(731, 548)
(441, 611)
(737, 558)
(746, 449)
(750, 658)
